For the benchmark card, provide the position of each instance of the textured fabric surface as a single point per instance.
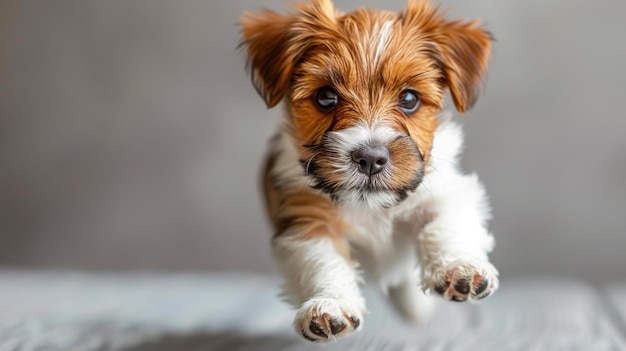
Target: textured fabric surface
(155, 312)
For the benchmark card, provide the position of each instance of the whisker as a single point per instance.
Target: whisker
(308, 163)
(427, 187)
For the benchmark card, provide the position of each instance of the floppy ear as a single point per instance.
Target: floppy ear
(465, 49)
(275, 42)
(266, 37)
(461, 48)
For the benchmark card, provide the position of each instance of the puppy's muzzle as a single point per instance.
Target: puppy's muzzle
(371, 159)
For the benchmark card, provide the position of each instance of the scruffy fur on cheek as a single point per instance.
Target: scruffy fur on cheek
(412, 220)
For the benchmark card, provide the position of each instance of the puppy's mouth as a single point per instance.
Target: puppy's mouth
(375, 176)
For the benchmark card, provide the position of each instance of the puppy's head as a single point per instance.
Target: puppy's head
(363, 89)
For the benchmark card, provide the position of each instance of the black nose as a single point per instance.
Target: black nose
(371, 160)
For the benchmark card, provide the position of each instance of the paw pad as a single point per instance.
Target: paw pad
(326, 319)
(466, 282)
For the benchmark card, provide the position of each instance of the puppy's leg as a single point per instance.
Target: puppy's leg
(394, 265)
(324, 286)
(314, 258)
(453, 246)
(411, 302)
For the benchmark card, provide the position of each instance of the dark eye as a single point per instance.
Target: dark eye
(408, 101)
(326, 98)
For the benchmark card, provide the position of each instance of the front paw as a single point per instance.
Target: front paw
(326, 319)
(462, 280)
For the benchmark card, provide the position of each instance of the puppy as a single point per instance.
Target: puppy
(362, 178)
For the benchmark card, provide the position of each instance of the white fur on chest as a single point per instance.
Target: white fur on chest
(384, 241)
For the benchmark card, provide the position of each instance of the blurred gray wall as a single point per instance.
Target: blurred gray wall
(131, 138)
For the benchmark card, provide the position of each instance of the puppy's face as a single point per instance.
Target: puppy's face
(363, 90)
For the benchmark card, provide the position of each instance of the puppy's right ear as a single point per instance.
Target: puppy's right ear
(270, 62)
(275, 43)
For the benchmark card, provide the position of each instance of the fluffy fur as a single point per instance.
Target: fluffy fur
(417, 227)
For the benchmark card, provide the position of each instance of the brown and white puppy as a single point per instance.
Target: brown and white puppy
(362, 175)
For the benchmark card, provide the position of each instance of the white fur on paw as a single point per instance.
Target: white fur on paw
(324, 319)
(463, 280)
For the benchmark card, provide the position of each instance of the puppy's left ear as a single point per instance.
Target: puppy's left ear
(462, 49)
(465, 49)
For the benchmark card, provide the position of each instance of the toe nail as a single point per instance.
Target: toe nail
(336, 326)
(317, 329)
(307, 337)
(462, 286)
(482, 286)
(441, 289)
(355, 322)
(483, 296)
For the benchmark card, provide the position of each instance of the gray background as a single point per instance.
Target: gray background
(131, 138)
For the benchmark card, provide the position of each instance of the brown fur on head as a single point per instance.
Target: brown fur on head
(369, 59)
